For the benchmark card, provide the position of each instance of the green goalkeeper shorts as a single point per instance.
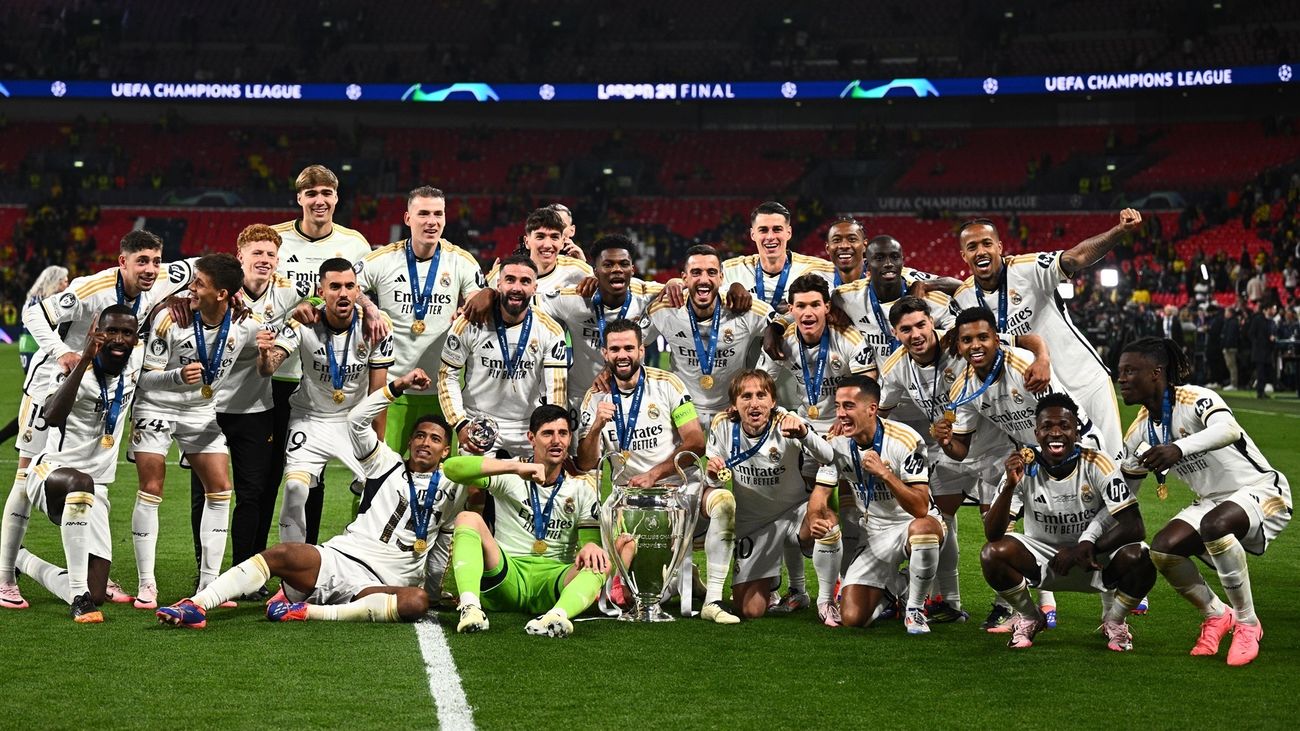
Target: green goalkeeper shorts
(528, 584)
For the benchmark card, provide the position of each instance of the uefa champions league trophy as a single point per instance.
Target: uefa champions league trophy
(658, 522)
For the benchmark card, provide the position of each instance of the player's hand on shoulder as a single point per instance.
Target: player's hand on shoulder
(305, 313)
(182, 310)
(674, 292)
(238, 309)
(1038, 376)
(587, 287)
(601, 384)
(1130, 219)
(738, 298)
(573, 250)
(192, 373)
(376, 329)
(838, 318)
(774, 342)
(793, 426)
(479, 305)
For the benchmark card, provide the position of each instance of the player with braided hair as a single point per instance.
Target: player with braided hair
(1241, 504)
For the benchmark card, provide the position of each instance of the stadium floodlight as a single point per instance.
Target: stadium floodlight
(1109, 277)
(347, 167)
(555, 23)
(1205, 273)
(608, 171)
(787, 20)
(1066, 290)
(1110, 167)
(78, 163)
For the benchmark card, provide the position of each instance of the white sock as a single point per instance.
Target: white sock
(470, 598)
(794, 566)
(1108, 603)
(921, 566)
(1019, 599)
(369, 608)
(1230, 563)
(945, 580)
(1046, 598)
(53, 578)
(14, 525)
(76, 539)
(293, 509)
(719, 541)
(1119, 607)
(144, 534)
(1181, 574)
(246, 577)
(213, 531)
(826, 564)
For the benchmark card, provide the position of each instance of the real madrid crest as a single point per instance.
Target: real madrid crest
(1015, 297)
(445, 279)
(727, 335)
(774, 454)
(653, 411)
(568, 506)
(1015, 396)
(949, 376)
(230, 344)
(1086, 491)
(361, 349)
(532, 346)
(836, 363)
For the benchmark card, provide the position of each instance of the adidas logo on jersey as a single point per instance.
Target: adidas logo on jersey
(401, 278)
(489, 345)
(1040, 499)
(293, 259)
(320, 351)
(680, 334)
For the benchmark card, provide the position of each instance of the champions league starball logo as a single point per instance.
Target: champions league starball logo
(917, 87)
(480, 92)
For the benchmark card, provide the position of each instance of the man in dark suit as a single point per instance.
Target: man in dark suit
(1261, 333)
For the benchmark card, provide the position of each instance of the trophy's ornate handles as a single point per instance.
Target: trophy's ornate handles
(677, 464)
(617, 469)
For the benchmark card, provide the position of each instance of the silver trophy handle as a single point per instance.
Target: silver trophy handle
(617, 470)
(677, 464)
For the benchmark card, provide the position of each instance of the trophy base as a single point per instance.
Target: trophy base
(651, 613)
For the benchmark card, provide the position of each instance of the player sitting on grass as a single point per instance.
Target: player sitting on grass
(529, 564)
(373, 570)
(1069, 543)
(69, 480)
(1241, 503)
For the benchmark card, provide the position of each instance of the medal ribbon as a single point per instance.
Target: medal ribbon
(542, 518)
(121, 295)
(337, 371)
(513, 363)
(599, 303)
(626, 425)
(934, 383)
(779, 292)
(866, 492)
(1166, 428)
(1031, 469)
(813, 380)
(881, 321)
(840, 280)
(1002, 298)
(211, 366)
(963, 399)
(112, 408)
(706, 354)
(421, 515)
(421, 297)
(738, 456)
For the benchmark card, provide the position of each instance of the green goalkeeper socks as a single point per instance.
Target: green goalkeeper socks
(578, 594)
(467, 560)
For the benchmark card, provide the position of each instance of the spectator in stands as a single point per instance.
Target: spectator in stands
(1262, 335)
(1233, 333)
(1171, 326)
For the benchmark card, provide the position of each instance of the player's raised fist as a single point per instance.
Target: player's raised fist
(604, 412)
(532, 471)
(1130, 219)
(793, 426)
(265, 340)
(871, 462)
(941, 430)
(192, 373)
(1015, 469)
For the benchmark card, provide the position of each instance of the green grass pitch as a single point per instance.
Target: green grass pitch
(779, 672)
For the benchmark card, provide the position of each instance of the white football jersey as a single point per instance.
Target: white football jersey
(60, 324)
(383, 534)
(855, 300)
(1058, 512)
(742, 269)
(1007, 403)
(576, 505)
(1034, 306)
(353, 355)
(579, 318)
(385, 272)
(770, 482)
(79, 443)
(740, 333)
(849, 354)
(568, 272)
(902, 451)
(475, 352)
(247, 391)
(172, 347)
(665, 407)
(1214, 474)
(300, 260)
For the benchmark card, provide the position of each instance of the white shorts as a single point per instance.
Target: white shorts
(154, 436)
(881, 548)
(1089, 582)
(760, 547)
(311, 443)
(512, 440)
(32, 429)
(100, 540)
(953, 478)
(1268, 508)
(341, 577)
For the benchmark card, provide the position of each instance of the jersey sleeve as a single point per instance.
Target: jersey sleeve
(43, 320)
(587, 417)
(913, 467)
(375, 456)
(158, 351)
(1115, 490)
(892, 386)
(1208, 404)
(718, 441)
(1134, 440)
(557, 352)
(289, 337)
(588, 509)
(381, 356)
(683, 408)
(453, 350)
(862, 358)
(1046, 270)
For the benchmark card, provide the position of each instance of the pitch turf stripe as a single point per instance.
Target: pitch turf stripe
(1266, 413)
(444, 682)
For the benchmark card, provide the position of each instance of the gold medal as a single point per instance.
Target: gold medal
(1027, 455)
(1162, 491)
(417, 327)
(338, 396)
(206, 391)
(106, 441)
(707, 382)
(539, 546)
(813, 412)
(950, 416)
(724, 474)
(421, 545)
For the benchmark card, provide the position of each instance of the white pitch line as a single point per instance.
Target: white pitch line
(454, 713)
(1266, 413)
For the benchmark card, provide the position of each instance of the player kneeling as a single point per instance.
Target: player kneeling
(543, 515)
(1069, 542)
(374, 569)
